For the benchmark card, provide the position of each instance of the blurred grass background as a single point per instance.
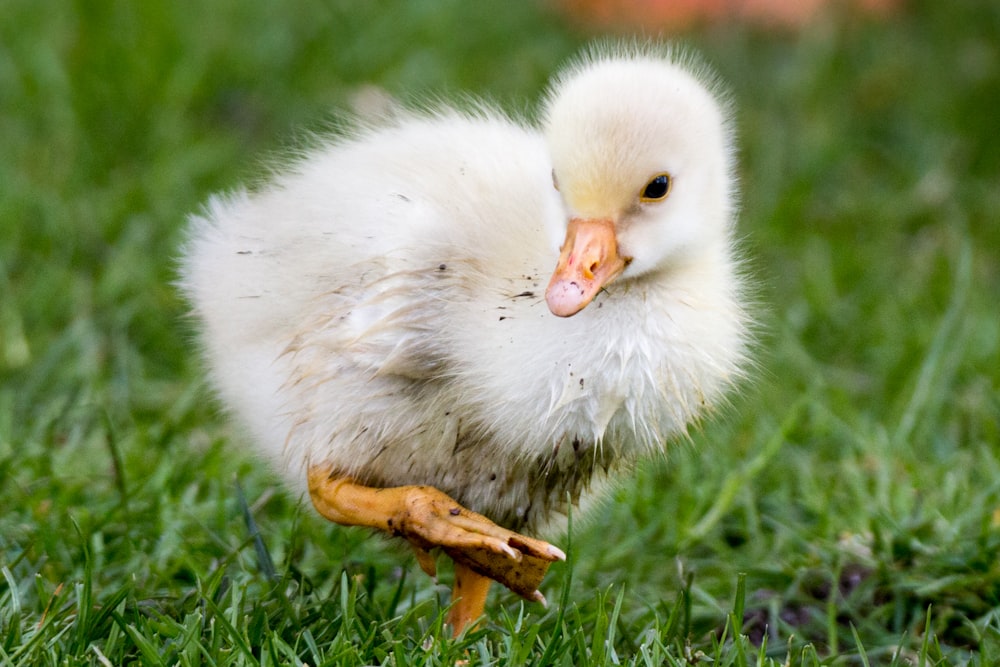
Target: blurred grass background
(845, 510)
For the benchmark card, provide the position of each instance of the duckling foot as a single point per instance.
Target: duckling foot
(468, 598)
(428, 518)
(523, 576)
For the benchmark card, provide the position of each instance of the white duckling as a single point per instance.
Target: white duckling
(451, 326)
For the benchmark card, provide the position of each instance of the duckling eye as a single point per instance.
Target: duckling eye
(555, 181)
(658, 188)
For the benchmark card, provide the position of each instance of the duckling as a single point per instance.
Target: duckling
(453, 326)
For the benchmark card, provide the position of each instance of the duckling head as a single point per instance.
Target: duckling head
(642, 157)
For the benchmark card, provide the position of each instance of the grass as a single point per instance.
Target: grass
(845, 511)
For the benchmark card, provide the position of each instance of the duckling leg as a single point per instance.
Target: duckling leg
(429, 518)
(468, 597)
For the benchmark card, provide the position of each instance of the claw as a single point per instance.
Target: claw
(537, 548)
(513, 554)
(538, 597)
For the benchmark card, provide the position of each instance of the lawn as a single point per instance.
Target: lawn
(844, 509)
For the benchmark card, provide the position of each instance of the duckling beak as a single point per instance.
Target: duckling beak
(588, 260)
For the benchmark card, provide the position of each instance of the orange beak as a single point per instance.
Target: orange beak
(588, 261)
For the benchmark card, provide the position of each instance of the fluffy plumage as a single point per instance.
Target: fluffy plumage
(380, 305)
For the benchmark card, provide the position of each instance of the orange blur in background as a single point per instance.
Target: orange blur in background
(679, 14)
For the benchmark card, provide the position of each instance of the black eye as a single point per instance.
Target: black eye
(555, 181)
(658, 188)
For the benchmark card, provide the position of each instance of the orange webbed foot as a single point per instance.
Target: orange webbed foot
(430, 518)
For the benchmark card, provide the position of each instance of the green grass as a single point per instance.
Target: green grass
(845, 511)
